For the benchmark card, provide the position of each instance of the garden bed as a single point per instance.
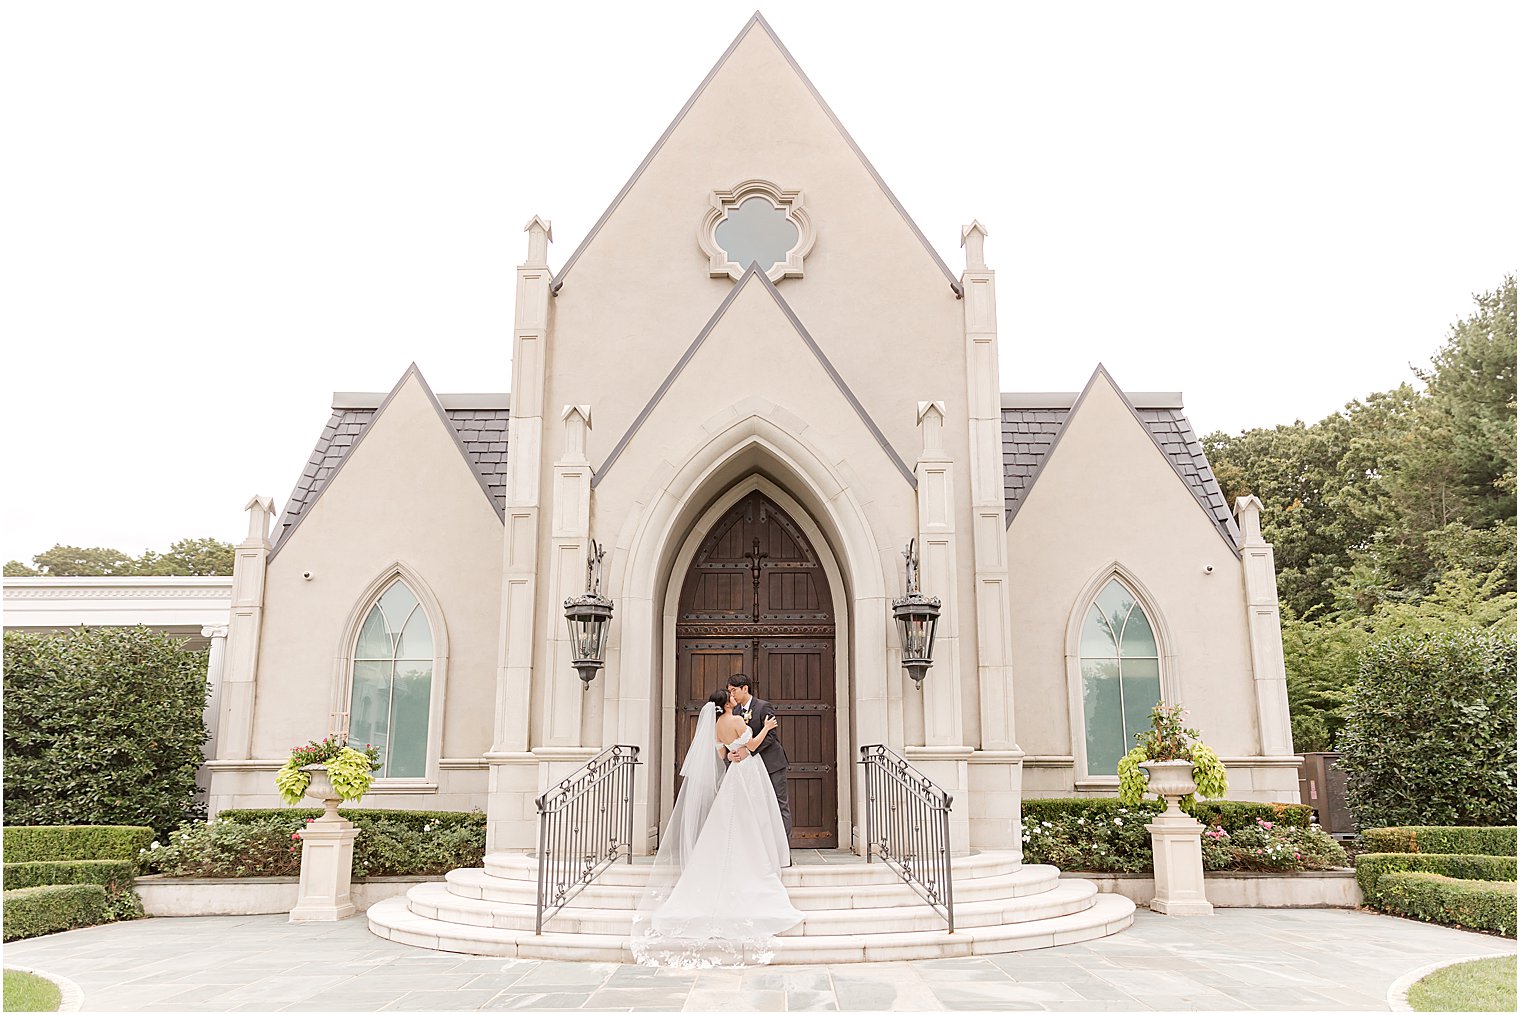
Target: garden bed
(1336, 889)
(166, 896)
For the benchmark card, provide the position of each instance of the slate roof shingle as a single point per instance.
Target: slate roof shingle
(483, 432)
(1029, 434)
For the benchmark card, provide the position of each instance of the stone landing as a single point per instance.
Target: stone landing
(853, 911)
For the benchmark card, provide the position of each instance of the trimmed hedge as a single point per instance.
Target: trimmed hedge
(103, 726)
(1231, 815)
(360, 816)
(109, 874)
(1372, 868)
(1477, 905)
(30, 843)
(49, 908)
(1429, 737)
(1496, 840)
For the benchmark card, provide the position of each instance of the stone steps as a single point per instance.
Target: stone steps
(1032, 879)
(852, 911)
(1108, 914)
(436, 901)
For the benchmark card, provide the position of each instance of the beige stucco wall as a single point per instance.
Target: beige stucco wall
(405, 494)
(1108, 494)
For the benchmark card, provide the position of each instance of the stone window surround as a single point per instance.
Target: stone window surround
(723, 202)
(342, 685)
(1166, 656)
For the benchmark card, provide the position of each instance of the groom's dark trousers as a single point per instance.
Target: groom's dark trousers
(774, 756)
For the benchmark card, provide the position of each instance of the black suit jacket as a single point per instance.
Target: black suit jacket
(771, 752)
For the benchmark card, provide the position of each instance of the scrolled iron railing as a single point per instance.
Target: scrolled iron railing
(908, 826)
(585, 824)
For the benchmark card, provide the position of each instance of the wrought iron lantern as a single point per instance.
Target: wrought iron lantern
(590, 617)
(917, 616)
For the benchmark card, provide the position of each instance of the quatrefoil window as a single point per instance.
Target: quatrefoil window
(756, 222)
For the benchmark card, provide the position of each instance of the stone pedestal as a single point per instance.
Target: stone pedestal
(327, 864)
(1177, 844)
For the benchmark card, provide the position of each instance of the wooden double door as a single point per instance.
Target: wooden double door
(756, 600)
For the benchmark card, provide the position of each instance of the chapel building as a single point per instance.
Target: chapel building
(753, 383)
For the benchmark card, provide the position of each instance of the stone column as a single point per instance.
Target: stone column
(510, 815)
(1177, 846)
(944, 753)
(215, 661)
(1264, 621)
(241, 659)
(327, 864)
(996, 772)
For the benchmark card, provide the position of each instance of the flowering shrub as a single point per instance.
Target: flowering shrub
(1118, 843)
(350, 769)
(271, 847)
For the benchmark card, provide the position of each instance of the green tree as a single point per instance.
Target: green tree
(204, 556)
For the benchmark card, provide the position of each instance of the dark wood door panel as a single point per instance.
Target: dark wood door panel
(756, 600)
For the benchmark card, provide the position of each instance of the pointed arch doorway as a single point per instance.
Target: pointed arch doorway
(756, 599)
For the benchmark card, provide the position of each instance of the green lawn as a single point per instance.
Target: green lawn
(25, 992)
(1484, 985)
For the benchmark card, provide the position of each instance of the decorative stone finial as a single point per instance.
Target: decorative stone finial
(540, 234)
(931, 425)
(1248, 517)
(577, 421)
(972, 238)
(260, 513)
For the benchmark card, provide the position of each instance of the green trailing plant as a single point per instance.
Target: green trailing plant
(1169, 740)
(350, 769)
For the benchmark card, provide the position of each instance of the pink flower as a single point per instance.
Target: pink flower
(295, 835)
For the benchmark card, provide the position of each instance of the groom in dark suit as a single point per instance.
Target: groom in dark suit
(754, 711)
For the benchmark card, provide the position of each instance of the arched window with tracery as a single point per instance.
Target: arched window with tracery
(1120, 667)
(392, 687)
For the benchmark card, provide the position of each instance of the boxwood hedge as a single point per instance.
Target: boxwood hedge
(1373, 868)
(1492, 840)
(1478, 905)
(48, 908)
(109, 874)
(359, 816)
(27, 843)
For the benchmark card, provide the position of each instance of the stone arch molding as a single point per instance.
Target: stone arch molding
(658, 527)
(725, 202)
(1171, 690)
(343, 665)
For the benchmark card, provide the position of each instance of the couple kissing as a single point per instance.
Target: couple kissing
(714, 895)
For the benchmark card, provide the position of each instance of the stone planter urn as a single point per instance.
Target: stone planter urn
(1176, 842)
(1169, 780)
(327, 858)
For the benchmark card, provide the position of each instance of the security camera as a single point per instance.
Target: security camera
(307, 574)
(1207, 569)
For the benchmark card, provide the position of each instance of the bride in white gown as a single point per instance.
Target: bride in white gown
(714, 896)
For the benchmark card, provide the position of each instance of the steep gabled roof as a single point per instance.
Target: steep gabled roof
(758, 21)
(1033, 424)
(754, 274)
(480, 433)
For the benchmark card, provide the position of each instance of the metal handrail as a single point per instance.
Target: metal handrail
(585, 824)
(908, 826)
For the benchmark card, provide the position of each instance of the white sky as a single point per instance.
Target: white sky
(214, 215)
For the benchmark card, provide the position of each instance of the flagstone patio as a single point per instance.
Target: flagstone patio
(1238, 959)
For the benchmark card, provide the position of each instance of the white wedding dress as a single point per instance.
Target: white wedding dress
(715, 896)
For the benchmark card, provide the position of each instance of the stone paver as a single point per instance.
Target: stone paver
(1236, 960)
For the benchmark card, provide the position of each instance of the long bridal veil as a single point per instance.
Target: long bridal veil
(714, 896)
(701, 773)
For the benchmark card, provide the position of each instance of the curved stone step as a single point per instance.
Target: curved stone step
(435, 901)
(1108, 914)
(1030, 879)
(852, 871)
